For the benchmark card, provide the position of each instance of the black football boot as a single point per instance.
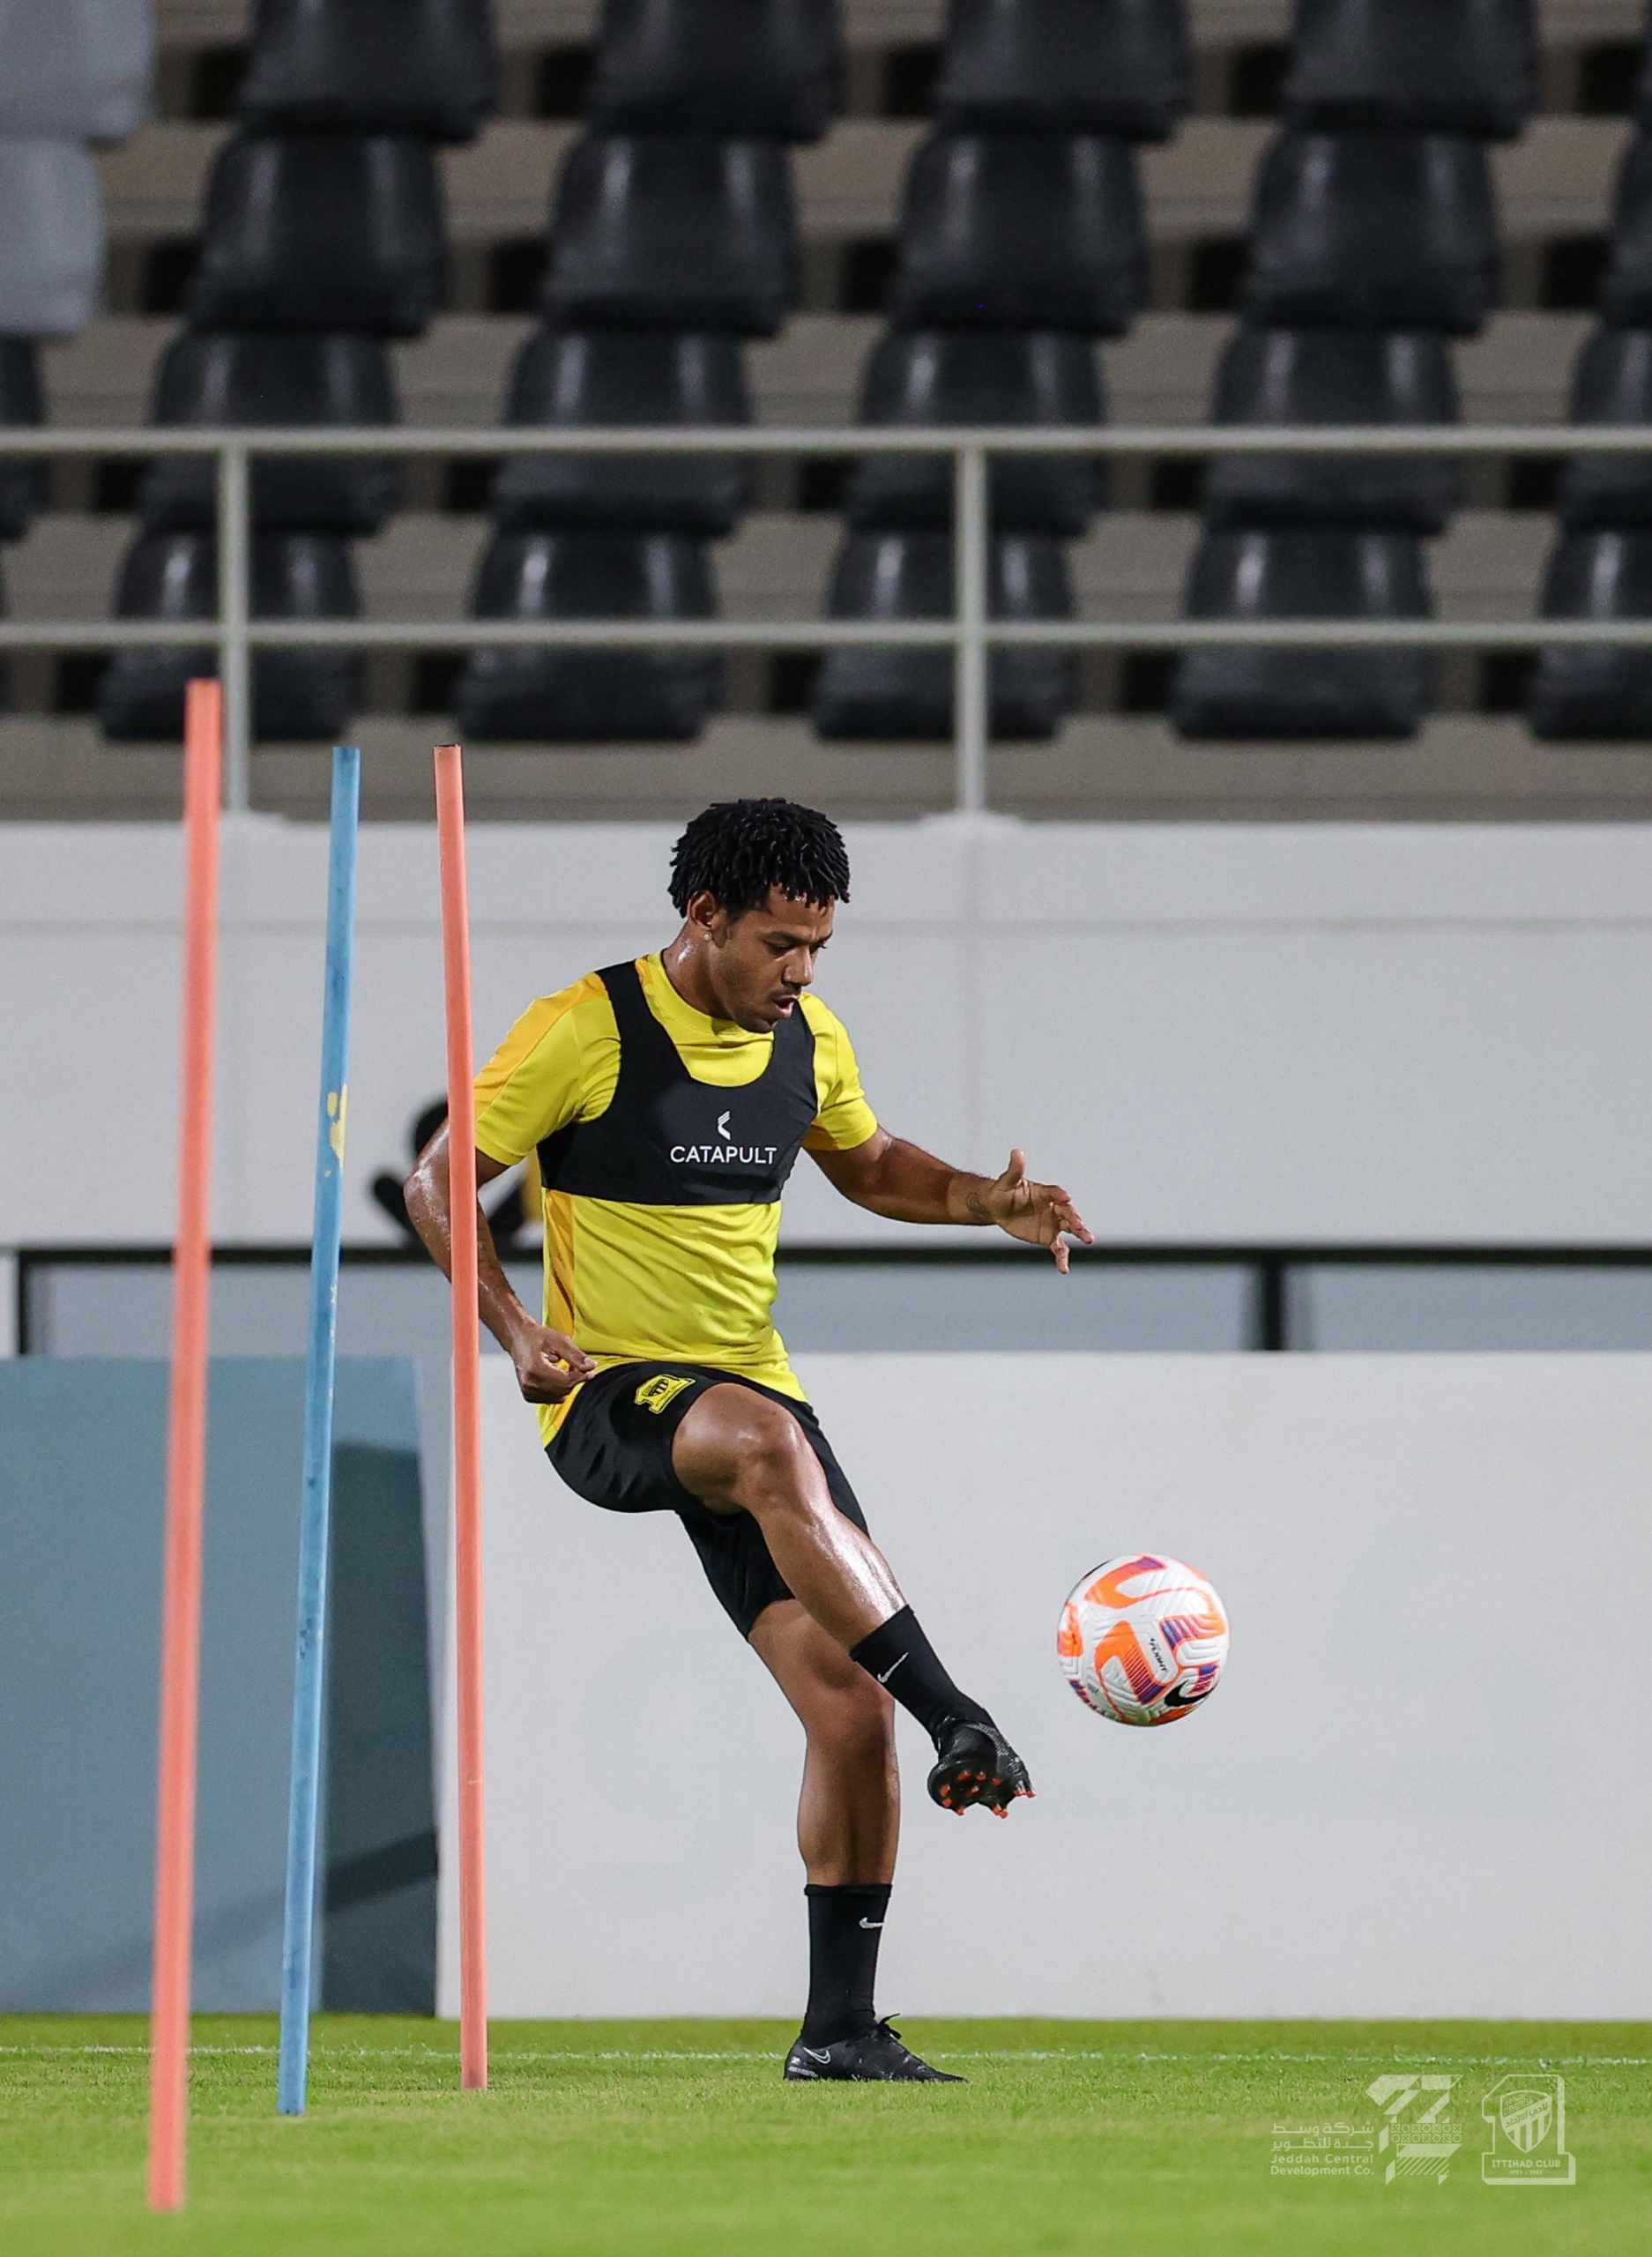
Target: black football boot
(977, 1764)
(875, 2056)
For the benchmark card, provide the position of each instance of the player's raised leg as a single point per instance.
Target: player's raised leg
(738, 1451)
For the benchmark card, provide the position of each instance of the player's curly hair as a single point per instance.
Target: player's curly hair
(738, 849)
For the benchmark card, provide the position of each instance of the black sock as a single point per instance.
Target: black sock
(905, 1663)
(845, 1926)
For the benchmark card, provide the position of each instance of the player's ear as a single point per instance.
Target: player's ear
(706, 914)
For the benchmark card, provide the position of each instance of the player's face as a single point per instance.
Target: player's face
(762, 960)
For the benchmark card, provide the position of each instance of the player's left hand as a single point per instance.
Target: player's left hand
(1042, 1214)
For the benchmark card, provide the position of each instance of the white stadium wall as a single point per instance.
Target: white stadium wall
(1419, 1790)
(1382, 1033)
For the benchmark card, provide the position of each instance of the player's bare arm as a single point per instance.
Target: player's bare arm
(889, 1176)
(548, 1366)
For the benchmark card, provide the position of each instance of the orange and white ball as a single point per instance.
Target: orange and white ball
(1143, 1639)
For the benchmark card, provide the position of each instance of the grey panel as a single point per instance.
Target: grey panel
(1013, 1305)
(378, 1915)
(80, 1547)
(115, 1308)
(1411, 1307)
(124, 1309)
(258, 1309)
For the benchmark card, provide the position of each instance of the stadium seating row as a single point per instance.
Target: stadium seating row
(322, 236)
(673, 237)
(1132, 566)
(1305, 220)
(1022, 237)
(577, 697)
(72, 72)
(1374, 567)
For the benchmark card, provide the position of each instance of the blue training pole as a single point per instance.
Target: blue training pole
(303, 1807)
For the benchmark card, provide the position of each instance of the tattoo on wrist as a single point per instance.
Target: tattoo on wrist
(975, 1206)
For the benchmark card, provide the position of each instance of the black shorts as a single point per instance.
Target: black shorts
(614, 1449)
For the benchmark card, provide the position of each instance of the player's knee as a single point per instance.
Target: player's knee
(738, 1450)
(853, 1716)
(772, 1462)
(849, 1700)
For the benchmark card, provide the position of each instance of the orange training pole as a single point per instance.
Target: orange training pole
(186, 1462)
(467, 1440)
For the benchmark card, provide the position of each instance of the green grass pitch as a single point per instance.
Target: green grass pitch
(679, 2140)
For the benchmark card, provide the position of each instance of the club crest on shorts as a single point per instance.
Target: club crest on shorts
(654, 1394)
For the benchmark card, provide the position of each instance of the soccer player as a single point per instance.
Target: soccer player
(667, 1100)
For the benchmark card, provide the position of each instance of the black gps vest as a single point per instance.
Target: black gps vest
(669, 1140)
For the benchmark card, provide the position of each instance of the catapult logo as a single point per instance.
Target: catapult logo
(726, 1153)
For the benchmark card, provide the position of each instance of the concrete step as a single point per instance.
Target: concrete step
(1460, 769)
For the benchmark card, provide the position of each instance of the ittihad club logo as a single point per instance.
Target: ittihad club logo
(1525, 2112)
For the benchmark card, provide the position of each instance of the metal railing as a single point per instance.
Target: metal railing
(971, 634)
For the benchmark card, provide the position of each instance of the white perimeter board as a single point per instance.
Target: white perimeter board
(1421, 1789)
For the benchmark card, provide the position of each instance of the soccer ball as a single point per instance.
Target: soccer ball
(1143, 1639)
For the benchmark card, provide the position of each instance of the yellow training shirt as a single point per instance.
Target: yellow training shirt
(656, 1282)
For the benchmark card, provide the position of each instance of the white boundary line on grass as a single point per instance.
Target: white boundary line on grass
(505, 2055)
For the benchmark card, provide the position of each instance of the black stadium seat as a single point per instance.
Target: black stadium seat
(173, 575)
(1333, 376)
(1611, 384)
(1066, 66)
(932, 377)
(762, 70)
(906, 696)
(208, 379)
(425, 67)
(1374, 231)
(661, 232)
(322, 232)
(22, 405)
(1415, 66)
(1240, 694)
(1021, 231)
(1627, 298)
(591, 696)
(1602, 693)
(572, 378)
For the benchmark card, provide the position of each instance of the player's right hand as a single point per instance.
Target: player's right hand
(549, 1366)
